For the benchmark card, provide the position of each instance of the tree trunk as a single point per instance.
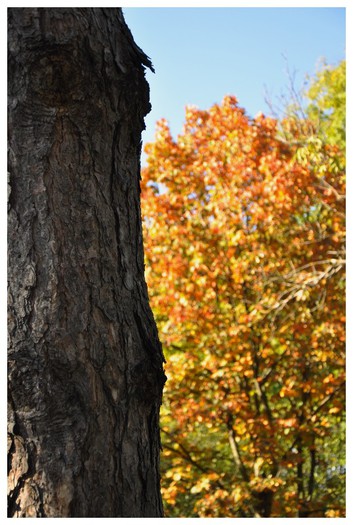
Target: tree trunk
(85, 363)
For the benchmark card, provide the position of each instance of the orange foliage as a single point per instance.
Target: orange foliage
(244, 245)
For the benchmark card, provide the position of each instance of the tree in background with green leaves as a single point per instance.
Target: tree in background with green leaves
(327, 104)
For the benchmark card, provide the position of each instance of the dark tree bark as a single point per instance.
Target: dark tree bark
(85, 363)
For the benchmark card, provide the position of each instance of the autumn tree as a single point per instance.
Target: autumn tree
(85, 363)
(244, 226)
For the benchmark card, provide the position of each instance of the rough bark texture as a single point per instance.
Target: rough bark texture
(85, 363)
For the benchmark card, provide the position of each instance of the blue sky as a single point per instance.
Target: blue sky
(201, 54)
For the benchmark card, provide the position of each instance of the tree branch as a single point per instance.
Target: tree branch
(186, 456)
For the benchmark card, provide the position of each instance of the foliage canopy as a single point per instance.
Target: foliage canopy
(245, 252)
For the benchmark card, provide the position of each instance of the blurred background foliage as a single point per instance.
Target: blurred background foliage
(244, 232)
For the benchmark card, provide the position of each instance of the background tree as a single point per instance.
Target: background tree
(85, 363)
(245, 231)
